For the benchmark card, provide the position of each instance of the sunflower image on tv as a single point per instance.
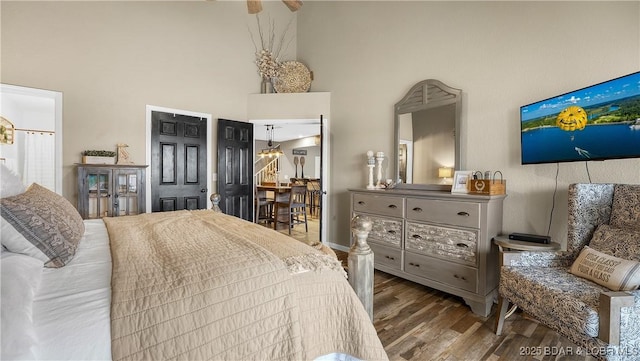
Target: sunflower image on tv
(572, 118)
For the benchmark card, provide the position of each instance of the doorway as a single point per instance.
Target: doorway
(300, 139)
(36, 152)
(188, 169)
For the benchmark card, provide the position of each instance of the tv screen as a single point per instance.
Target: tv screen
(598, 122)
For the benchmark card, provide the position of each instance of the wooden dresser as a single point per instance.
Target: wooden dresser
(437, 239)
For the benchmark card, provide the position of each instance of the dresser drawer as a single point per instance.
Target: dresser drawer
(387, 231)
(458, 245)
(455, 275)
(382, 205)
(464, 214)
(386, 256)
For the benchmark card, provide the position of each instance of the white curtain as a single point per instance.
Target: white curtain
(39, 159)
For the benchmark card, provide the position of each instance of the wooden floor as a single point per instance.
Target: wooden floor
(415, 322)
(310, 235)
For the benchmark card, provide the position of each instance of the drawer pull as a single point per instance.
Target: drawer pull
(464, 214)
(416, 236)
(463, 245)
(417, 209)
(389, 257)
(362, 203)
(414, 264)
(391, 231)
(459, 277)
(393, 206)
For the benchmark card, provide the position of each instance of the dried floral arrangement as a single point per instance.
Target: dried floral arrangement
(269, 48)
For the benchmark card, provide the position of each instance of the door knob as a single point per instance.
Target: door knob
(203, 190)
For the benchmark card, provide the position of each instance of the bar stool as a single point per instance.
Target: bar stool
(263, 207)
(296, 207)
(313, 196)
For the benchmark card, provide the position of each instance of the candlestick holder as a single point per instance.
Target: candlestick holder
(379, 159)
(371, 163)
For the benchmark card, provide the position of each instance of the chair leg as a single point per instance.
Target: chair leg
(503, 305)
(306, 225)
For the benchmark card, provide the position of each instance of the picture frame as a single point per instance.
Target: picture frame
(460, 178)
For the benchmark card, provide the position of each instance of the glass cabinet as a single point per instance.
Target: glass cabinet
(110, 190)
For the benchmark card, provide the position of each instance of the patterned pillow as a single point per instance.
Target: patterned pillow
(625, 209)
(615, 273)
(41, 224)
(619, 242)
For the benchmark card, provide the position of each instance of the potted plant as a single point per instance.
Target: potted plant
(98, 157)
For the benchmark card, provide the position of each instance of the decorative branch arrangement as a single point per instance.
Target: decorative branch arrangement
(269, 48)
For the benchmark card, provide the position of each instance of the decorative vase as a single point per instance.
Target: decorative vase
(266, 86)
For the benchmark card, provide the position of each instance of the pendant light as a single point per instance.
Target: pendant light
(271, 151)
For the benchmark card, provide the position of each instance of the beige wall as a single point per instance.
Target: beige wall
(501, 54)
(110, 59)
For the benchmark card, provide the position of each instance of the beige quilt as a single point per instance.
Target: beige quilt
(199, 285)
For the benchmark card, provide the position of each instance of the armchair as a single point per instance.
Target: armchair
(604, 323)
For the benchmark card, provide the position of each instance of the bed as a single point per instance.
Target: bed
(183, 285)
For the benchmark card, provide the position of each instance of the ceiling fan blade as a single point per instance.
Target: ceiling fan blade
(293, 5)
(254, 6)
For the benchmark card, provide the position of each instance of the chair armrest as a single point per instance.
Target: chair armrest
(537, 259)
(611, 318)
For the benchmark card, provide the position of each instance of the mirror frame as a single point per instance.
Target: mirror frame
(423, 95)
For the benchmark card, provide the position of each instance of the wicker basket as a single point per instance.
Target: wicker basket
(487, 187)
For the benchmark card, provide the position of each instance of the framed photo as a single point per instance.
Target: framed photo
(460, 178)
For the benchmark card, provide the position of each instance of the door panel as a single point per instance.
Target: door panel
(178, 162)
(235, 167)
(168, 163)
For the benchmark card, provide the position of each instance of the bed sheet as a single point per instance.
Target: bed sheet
(71, 310)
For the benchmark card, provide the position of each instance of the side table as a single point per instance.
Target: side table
(506, 244)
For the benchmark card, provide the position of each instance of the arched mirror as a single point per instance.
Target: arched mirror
(427, 136)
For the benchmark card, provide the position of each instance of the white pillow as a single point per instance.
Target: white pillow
(20, 279)
(10, 182)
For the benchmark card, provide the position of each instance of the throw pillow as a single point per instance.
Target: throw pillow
(625, 208)
(615, 273)
(41, 224)
(619, 242)
(10, 182)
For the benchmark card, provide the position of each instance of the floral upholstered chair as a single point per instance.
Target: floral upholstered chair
(600, 314)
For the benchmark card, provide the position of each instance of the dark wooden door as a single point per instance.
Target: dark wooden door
(322, 180)
(235, 168)
(178, 162)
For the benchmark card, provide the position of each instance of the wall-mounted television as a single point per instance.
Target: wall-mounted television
(599, 122)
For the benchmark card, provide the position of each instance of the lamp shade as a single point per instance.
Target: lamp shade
(445, 172)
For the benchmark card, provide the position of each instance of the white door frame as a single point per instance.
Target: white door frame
(208, 117)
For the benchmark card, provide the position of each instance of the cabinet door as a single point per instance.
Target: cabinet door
(95, 193)
(127, 189)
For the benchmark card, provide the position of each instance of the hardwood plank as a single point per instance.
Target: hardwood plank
(418, 323)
